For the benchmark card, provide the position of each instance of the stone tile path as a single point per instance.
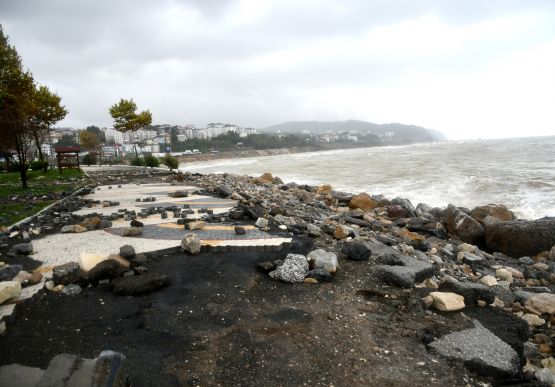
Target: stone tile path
(158, 234)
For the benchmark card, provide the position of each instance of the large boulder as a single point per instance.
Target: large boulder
(323, 259)
(139, 284)
(520, 238)
(497, 211)
(362, 201)
(293, 270)
(463, 226)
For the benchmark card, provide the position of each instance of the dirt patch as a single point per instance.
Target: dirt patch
(223, 323)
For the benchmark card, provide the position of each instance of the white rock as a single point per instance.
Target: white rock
(466, 247)
(447, 301)
(542, 302)
(545, 375)
(504, 275)
(49, 285)
(488, 280)
(261, 223)
(73, 228)
(324, 259)
(191, 244)
(533, 320)
(293, 269)
(9, 289)
(89, 260)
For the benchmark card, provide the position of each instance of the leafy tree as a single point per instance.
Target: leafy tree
(174, 141)
(170, 161)
(152, 161)
(46, 111)
(99, 133)
(17, 88)
(126, 118)
(88, 140)
(67, 140)
(89, 159)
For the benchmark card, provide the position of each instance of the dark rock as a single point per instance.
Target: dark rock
(356, 251)
(22, 248)
(406, 205)
(127, 251)
(362, 223)
(138, 260)
(409, 272)
(423, 208)
(139, 284)
(106, 269)
(395, 211)
(68, 273)
(497, 211)
(104, 224)
(240, 230)
(266, 266)
(224, 191)
(319, 274)
(521, 237)
(463, 226)
(136, 223)
(8, 272)
(472, 292)
(237, 214)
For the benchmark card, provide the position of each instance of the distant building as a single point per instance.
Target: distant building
(113, 136)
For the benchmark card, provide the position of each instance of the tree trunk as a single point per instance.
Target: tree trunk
(23, 175)
(39, 148)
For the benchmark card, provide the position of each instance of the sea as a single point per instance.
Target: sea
(517, 172)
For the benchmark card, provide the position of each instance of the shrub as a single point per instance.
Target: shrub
(170, 161)
(137, 162)
(38, 165)
(152, 161)
(89, 159)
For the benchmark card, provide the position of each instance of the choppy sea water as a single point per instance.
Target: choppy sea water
(519, 173)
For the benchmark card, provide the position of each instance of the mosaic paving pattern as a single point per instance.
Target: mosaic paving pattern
(172, 231)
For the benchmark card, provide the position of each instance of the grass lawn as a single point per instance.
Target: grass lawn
(39, 184)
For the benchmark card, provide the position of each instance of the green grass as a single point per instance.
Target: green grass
(39, 184)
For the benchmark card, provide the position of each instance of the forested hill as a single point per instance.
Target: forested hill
(412, 133)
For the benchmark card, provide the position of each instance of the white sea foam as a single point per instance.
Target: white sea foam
(519, 173)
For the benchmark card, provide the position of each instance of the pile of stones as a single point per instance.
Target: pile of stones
(455, 258)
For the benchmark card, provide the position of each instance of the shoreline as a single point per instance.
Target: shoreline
(246, 153)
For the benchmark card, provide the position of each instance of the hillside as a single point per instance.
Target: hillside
(410, 133)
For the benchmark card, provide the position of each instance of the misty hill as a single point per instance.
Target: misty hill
(410, 133)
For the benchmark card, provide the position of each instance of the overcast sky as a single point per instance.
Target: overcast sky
(469, 68)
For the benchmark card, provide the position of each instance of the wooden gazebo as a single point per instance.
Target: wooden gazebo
(67, 156)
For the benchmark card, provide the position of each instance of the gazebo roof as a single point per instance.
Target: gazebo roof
(67, 149)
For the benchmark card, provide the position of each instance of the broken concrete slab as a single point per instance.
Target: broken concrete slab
(480, 350)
